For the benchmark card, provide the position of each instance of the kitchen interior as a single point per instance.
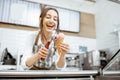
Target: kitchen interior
(91, 28)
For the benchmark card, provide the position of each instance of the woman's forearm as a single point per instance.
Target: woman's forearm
(31, 60)
(61, 62)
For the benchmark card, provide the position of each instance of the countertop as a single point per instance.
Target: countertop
(9, 71)
(47, 73)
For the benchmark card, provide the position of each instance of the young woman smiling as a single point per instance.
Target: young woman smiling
(49, 23)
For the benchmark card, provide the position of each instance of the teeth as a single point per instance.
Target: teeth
(49, 25)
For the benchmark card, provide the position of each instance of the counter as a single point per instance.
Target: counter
(111, 73)
(48, 74)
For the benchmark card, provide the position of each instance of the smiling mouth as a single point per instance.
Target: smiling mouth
(50, 27)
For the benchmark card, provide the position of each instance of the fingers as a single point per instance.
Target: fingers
(43, 52)
(64, 47)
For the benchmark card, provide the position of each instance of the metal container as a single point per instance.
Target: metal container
(73, 61)
(91, 60)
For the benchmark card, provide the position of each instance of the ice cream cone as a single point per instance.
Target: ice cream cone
(58, 41)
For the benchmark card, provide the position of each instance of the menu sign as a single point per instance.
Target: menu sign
(20, 12)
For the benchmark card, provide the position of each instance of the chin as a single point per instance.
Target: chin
(49, 30)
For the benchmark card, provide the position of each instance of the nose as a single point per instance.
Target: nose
(51, 21)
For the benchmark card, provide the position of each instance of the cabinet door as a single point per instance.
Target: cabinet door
(87, 24)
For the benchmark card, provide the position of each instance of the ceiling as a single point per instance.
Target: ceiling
(86, 0)
(116, 1)
(88, 6)
(91, 0)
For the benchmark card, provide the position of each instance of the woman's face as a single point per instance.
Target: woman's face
(50, 21)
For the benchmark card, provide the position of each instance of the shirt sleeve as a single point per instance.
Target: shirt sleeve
(26, 55)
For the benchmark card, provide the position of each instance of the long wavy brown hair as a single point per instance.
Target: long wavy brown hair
(43, 14)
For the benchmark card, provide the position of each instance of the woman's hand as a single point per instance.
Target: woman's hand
(64, 48)
(43, 52)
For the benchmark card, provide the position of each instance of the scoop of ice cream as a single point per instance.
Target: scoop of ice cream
(59, 38)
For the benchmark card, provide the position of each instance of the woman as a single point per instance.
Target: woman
(49, 22)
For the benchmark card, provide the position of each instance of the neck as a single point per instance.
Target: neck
(46, 36)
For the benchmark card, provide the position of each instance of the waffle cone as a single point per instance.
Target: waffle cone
(58, 42)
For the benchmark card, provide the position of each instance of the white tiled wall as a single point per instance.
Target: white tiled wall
(16, 40)
(75, 42)
(107, 17)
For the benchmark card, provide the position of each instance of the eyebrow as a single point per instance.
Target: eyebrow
(50, 15)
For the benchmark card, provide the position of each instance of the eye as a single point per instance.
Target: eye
(55, 19)
(48, 17)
